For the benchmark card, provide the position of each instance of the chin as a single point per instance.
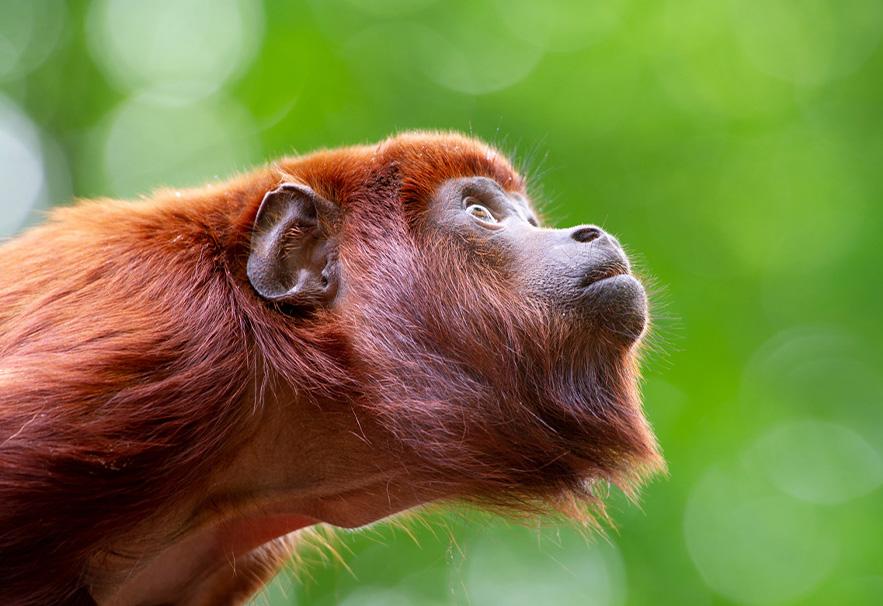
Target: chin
(617, 308)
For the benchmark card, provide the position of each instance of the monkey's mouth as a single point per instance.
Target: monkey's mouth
(614, 268)
(612, 281)
(616, 305)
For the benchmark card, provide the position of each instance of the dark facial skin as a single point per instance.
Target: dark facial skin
(580, 270)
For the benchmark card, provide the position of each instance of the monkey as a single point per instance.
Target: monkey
(188, 379)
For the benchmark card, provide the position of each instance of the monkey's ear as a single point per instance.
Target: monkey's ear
(293, 255)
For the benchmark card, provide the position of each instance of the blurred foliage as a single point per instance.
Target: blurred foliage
(735, 146)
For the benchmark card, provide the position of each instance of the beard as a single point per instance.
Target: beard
(497, 399)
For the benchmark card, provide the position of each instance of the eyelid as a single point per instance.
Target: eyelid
(498, 212)
(488, 202)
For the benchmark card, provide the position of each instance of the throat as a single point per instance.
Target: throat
(238, 537)
(187, 567)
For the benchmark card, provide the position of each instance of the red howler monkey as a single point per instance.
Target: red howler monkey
(333, 338)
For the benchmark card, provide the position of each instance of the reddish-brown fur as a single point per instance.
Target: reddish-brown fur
(136, 363)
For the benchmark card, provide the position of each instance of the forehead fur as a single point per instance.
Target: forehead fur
(415, 163)
(425, 159)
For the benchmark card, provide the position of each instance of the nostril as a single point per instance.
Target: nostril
(586, 234)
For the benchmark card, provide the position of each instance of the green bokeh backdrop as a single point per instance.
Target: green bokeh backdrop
(735, 146)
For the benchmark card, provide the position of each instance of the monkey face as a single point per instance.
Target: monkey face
(580, 271)
(497, 358)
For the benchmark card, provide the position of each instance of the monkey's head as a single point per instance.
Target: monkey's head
(483, 354)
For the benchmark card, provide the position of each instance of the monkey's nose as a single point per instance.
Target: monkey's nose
(603, 257)
(586, 233)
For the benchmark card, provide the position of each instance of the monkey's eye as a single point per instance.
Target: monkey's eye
(481, 213)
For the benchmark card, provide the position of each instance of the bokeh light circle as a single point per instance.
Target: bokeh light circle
(460, 45)
(778, 189)
(469, 61)
(150, 144)
(817, 461)
(698, 63)
(561, 25)
(29, 32)
(524, 567)
(389, 8)
(386, 596)
(820, 370)
(807, 42)
(755, 548)
(22, 171)
(178, 48)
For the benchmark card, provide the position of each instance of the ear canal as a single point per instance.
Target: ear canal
(293, 257)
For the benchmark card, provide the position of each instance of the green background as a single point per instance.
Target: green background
(734, 146)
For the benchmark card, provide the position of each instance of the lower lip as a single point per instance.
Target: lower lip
(618, 303)
(623, 291)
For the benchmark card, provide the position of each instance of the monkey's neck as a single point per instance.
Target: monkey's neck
(216, 561)
(239, 546)
(274, 486)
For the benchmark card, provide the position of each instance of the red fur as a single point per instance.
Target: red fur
(135, 359)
